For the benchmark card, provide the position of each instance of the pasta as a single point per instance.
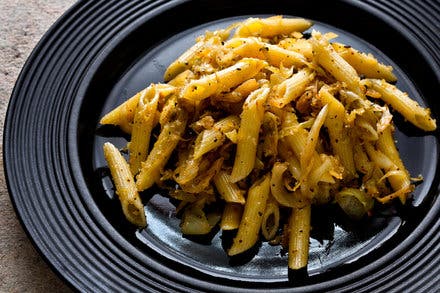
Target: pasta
(255, 122)
(125, 187)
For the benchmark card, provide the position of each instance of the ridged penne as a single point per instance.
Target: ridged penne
(183, 62)
(249, 228)
(125, 187)
(143, 123)
(273, 54)
(339, 139)
(292, 88)
(222, 80)
(167, 140)
(365, 64)
(227, 189)
(328, 58)
(210, 139)
(299, 233)
(402, 103)
(123, 115)
(231, 216)
(239, 93)
(248, 133)
(271, 26)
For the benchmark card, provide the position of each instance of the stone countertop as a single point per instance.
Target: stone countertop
(22, 24)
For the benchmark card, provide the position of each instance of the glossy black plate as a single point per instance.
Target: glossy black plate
(102, 52)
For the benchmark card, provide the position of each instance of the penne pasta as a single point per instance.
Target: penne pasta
(339, 139)
(292, 88)
(273, 54)
(239, 93)
(249, 228)
(227, 189)
(270, 138)
(125, 187)
(183, 62)
(365, 64)
(271, 26)
(222, 80)
(123, 115)
(248, 133)
(231, 216)
(143, 123)
(168, 139)
(400, 101)
(210, 139)
(328, 58)
(299, 233)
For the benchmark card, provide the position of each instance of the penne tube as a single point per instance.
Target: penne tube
(328, 58)
(210, 139)
(207, 141)
(339, 139)
(365, 64)
(249, 228)
(182, 78)
(271, 26)
(239, 93)
(184, 61)
(402, 103)
(203, 180)
(248, 133)
(187, 167)
(292, 88)
(125, 187)
(143, 123)
(231, 216)
(223, 80)
(123, 115)
(354, 202)
(228, 190)
(168, 139)
(273, 54)
(299, 233)
(301, 46)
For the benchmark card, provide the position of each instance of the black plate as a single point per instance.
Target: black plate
(101, 52)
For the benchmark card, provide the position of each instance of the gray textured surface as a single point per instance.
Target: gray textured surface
(22, 23)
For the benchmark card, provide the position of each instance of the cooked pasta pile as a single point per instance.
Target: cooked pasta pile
(259, 121)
